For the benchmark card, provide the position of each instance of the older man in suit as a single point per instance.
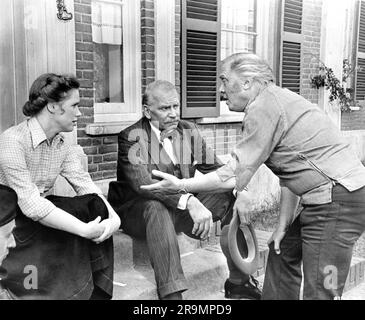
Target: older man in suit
(160, 140)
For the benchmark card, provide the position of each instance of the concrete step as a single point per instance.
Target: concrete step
(356, 293)
(203, 263)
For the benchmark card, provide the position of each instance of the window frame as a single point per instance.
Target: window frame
(262, 25)
(249, 33)
(113, 112)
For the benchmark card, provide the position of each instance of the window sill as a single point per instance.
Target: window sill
(107, 128)
(221, 119)
(110, 128)
(354, 108)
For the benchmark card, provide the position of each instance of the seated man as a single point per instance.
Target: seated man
(160, 140)
(8, 203)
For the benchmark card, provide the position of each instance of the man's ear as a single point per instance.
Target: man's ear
(146, 112)
(246, 84)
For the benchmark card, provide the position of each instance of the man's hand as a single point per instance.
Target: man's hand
(201, 216)
(169, 184)
(277, 236)
(242, 207)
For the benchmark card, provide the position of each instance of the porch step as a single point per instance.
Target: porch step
(204, 267)
(203, 263)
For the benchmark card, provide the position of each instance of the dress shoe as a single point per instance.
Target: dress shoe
(173, 296)
(247, 290)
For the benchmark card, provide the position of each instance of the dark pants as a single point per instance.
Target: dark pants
(151, 219)
(322, 238)
(52, 264)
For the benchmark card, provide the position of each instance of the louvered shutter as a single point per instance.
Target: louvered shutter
(360, 73)
(291, 44)
(200, 58)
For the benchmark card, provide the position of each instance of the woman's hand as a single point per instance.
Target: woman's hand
(93, 229)
(111, 225)
(276, 237)
(169, 183)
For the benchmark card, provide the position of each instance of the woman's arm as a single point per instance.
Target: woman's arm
(111, 224)
(62, 220)
(14, 168)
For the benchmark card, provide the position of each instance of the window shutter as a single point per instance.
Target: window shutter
(291, 44)
(200, 58)
(360, 59)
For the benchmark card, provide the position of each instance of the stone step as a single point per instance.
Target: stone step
(203, 263)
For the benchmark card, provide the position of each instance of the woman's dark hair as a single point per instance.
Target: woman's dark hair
(48, 87)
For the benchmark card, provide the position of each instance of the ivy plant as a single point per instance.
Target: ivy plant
(338, 90)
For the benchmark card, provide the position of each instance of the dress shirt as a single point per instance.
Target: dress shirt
(168, 147)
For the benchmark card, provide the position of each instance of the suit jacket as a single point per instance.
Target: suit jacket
(139, 152)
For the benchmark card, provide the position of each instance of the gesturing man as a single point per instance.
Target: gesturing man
(160, 140)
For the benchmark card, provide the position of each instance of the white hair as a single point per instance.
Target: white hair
(248, 65)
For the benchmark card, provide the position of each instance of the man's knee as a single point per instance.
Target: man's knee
(154, 209)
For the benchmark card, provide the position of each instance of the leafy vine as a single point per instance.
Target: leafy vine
(338, 89)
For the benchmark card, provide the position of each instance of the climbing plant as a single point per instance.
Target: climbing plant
(338, 89)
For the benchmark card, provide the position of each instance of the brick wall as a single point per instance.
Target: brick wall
(147, 42)
(100, 150)
(312, 17)
(221, 137)
(354, 120)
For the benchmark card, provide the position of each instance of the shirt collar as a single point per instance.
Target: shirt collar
(156, 131)
(38, 135)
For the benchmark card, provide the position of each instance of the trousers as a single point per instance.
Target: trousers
(52, 264)
(320, 241)
(151, 220)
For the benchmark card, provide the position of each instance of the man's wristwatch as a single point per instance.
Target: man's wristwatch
(235, 191)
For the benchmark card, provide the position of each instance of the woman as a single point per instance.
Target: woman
(64, 248)
(315, 165)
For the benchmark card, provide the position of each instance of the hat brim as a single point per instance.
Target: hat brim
(248, 264)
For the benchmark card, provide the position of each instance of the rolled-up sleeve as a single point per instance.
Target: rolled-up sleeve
(263, 127)
(14, 168)
(228, 170)
(75, 174)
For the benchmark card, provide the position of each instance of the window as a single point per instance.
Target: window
(238, 33)
(213, 30)
(117, 72)
(291, 45)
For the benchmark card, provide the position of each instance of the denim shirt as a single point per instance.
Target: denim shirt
(299, 143)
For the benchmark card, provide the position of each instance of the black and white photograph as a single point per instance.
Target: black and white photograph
(205, 152)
